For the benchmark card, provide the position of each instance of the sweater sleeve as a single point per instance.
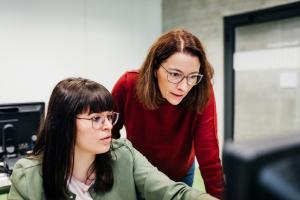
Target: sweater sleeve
(18, 188)
(153, 184)
(119, 97)
(207, 149)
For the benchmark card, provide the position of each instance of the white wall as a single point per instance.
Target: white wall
(44, 41)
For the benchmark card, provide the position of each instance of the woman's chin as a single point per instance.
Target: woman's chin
(174, 101)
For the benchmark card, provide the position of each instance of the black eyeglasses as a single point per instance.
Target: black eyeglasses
(99, 120)
(177, 77)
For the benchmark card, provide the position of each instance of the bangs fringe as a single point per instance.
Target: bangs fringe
(96, 102)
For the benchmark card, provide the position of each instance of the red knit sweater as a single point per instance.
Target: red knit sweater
(170, 136)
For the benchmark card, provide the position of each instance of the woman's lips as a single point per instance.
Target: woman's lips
(177, 95)
(106, 139)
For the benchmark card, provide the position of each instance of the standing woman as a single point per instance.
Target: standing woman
(168, 109)
(75, 157)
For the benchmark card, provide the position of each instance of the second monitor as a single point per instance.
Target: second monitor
(19, 123)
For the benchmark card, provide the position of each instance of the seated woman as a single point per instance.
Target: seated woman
(76, 158)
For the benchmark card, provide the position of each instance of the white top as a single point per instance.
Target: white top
(80, 189)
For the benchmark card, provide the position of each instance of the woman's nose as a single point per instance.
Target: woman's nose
(183, 85)
(107, 124)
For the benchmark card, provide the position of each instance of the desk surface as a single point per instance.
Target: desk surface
(3, 196)
(4, 183)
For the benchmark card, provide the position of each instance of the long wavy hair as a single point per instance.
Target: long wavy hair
(56, 138)
(177, 40)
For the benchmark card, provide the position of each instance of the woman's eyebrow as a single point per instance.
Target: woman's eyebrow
(94, 114)
(178, 70)
(175, 69)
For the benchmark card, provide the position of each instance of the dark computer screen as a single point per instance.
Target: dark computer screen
(19, 122)
(263, 170)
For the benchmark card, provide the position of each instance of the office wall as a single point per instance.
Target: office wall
(42, 42)
(205, 19)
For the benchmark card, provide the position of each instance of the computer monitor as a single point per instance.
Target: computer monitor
(263, 170)
(19, 123)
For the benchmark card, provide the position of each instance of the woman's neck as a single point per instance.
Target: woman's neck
(82, 163)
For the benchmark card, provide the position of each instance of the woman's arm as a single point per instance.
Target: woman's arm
(119, 95)
(153, 184)
(14, 194)
(207, 149)
(18, 184)
(26, 180)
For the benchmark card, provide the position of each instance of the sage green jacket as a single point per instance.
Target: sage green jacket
(131, 171)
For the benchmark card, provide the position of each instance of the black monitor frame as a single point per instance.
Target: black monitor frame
(18, 123)
(249, 168)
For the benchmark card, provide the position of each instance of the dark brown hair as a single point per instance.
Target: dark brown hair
(177, 40)
(56, 138)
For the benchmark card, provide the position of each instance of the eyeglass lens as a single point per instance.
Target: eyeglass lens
(192, 79)
(99, 121)
(176, 77)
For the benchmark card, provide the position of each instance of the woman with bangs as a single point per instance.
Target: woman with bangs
(76, 158)
(169, 112)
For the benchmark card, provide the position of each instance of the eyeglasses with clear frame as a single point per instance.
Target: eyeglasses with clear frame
(99, 120)
(177, 77)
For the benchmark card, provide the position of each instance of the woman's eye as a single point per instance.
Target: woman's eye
(175, 74)
(194, 77)
(96, 119)
(109, 117)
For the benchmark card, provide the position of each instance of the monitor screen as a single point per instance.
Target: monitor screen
(264, 169)
(19, 123)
